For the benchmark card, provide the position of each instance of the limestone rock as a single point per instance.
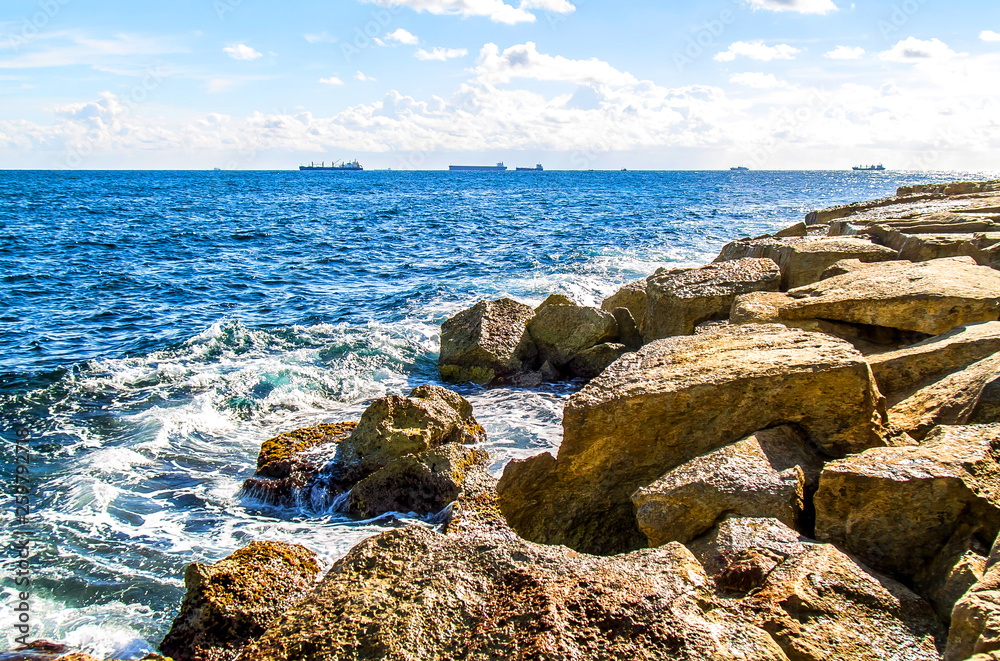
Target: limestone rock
(950, 401)
(412, 593)
(928, 297)
(987, 409)
(677, 302)
(590, 363)
(675, 400)
(556, 299)
(975, 620)
(798, 229)
(424, 483)
(763, 475)
(288, 462)
(392, 427)
(924, 247)
(632, 297)
(231, 602)
(562, 332)
(813, 599)
(628, 330)
(897, 508)
(485, 343)
(903, 371)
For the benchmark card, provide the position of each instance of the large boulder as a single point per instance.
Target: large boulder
(804, 260)
(562, 332)
(763, 475)
(231, 602)
(486, 343)
(679, 301)
(675, 400)
(632, 297)
(898, 508)
(289, 462)
(423, 483)
(950, 401)
(393, 427)
(815, 600)
(899, 373)
(927, 297)
(413, 593)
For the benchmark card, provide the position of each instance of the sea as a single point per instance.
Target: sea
(157, 327)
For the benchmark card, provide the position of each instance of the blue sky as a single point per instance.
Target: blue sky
(417, 84)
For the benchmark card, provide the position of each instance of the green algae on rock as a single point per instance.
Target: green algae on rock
(231, 602)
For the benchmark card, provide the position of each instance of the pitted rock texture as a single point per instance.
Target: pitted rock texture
(679, 301)
(486, 343)
(231, 602)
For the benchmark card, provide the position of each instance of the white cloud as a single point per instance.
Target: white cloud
(242, 52)
(800, 6)
(757, 50)
(404, 37)
(845, 53)
(332, 80)
(909, 111)
(320, 38)
(989, 35)
(524, 61)
(441, 54)
(761, 81)
(497, 11)
(363, 78)
(918, 50)
(75, 48)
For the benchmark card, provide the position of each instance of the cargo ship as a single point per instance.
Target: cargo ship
(869, 168)
(537, 168)
(351, 166)
(499, 167)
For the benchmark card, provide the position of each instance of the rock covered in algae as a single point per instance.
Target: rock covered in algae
(231, 602)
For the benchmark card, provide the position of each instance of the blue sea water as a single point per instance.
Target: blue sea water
(156, 327)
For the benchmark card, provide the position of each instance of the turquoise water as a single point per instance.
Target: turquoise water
(156, 327)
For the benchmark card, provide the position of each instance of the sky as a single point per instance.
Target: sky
(571, 84)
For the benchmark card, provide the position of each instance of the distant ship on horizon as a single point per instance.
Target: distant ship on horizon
(537, 168)
(869, 168)
(499, 167)
(740, 168)
(351, 166)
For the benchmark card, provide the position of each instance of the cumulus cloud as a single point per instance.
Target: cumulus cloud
(757, 50)
(606, 110)
(919, 50)
(332, 80)
(800, 6)
(524, 61)
(761, 81)
(497, 11)
(242, 52)
(363, 78)
(403, 37)
(989, 35)
(440, 54)
(845, 53)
